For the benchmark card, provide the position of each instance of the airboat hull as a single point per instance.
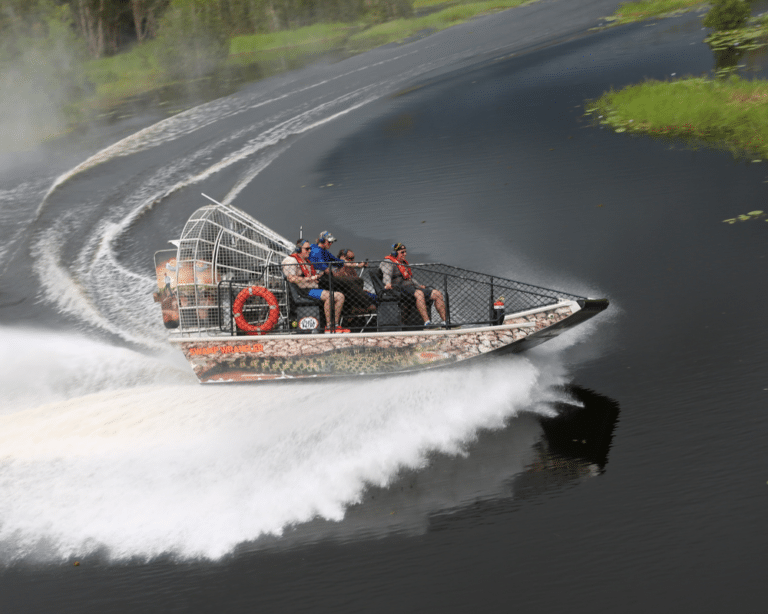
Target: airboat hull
(271, 357)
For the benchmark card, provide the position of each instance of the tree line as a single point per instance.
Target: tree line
(46, 46)
(106, 27)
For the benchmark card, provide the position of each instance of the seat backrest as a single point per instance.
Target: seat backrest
(377, 280)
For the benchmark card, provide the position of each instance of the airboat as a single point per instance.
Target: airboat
(228, 305)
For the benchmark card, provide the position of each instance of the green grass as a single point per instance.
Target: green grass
(317, 36)
(629, 12)
(400, 29)
(137, 71)
(420, 4)
(121, 75)
(724, 113)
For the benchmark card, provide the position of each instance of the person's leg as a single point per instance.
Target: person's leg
(338, 299)
(437, 296)
(325, 297)
(421, 305)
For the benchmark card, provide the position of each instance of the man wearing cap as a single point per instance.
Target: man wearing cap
(320, 255)
(397, 274)
(325, 262)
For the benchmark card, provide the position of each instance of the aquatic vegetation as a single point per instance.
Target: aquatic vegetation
(752, 215)
(725, 113)
(729, 46)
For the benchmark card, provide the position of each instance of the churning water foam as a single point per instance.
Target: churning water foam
(142, 469)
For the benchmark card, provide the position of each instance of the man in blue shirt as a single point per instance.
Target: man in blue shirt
(320, 256)
(357, 300)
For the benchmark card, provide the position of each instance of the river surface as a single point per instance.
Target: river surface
(618, 468)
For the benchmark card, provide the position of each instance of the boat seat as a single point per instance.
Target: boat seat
(396, 310)
(301, 307)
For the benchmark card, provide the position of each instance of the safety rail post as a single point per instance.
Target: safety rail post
(226, 286)
(332, 324)
(446, 302)
(231, 302)
(491, 313)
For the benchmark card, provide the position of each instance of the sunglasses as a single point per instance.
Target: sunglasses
(350, 258)
(306, 249)
(402, 251)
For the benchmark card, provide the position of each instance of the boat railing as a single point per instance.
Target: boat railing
(261, 301)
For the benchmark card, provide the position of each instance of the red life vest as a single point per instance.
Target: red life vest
(405, 270)
(307, 268)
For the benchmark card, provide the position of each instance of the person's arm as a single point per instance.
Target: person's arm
(386, 274)
(316, 258)
(292, 274)
(335, 265)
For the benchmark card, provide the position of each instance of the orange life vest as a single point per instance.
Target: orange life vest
(405, 270)
(307, 268)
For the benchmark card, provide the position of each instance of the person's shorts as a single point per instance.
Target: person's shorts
(410, 290)
(311, 292)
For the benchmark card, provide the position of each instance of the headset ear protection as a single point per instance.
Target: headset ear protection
(396, 247)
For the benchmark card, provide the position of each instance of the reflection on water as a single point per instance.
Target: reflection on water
(178, 96)
(533, 456)
(727, 60)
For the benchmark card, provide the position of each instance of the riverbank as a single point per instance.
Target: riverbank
(725, 113)
(643, 10)
(137, 81)
(137, 72)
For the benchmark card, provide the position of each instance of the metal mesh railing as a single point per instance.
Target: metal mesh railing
(356, 299)
(224, 255)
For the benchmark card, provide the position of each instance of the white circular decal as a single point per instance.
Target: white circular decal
(308, 323)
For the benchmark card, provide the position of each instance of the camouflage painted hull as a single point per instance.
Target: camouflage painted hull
(301, 356)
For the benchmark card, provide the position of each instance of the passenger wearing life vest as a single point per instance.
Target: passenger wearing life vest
(300, 272)
(396, 274)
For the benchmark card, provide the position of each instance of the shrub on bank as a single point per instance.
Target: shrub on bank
(727, 15)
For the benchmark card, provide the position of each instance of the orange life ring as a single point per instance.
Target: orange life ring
(237, 310)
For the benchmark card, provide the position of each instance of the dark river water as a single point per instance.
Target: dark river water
(619, 468)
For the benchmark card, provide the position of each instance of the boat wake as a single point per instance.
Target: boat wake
(195, 471)
(54, 368)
